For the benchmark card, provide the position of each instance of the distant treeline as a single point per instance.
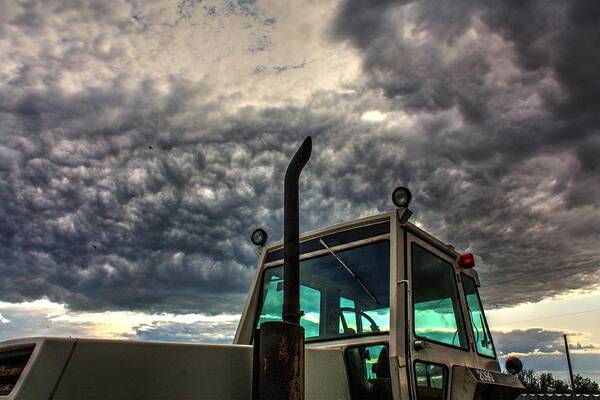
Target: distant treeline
(546, 383)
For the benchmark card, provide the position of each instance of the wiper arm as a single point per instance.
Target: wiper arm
(351, 272)
(485, 342)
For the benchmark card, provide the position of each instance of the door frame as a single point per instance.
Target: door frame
(437, 353)
(399, 351)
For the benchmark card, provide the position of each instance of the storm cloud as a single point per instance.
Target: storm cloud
(537, 341)
(124, 187)
(543, 350)
(519, 83)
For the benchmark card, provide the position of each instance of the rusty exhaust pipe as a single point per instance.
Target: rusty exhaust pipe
(279, 345)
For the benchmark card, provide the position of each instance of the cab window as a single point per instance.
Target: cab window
(481, 331)
(437, 312)
(273, 301)
(348, 317)
(369, 372)
(431, 381)
(336, 302)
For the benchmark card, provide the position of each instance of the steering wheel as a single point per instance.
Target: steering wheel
(374, 326)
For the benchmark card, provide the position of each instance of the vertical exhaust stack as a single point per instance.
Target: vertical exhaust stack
(291, 234)
(279, 345)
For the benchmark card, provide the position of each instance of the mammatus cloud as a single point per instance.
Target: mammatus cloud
(128, 184)
(518, 148)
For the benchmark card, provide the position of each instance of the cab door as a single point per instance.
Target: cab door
(437, 333)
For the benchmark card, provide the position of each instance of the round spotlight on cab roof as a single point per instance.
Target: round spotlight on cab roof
(259, 237)
(401, 197)
(513, 365)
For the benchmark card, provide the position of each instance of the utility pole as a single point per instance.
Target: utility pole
(569, 363)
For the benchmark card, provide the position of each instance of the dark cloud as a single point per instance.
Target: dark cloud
(543, 350)
(516, 158)
(585, 364)
(96, 218)
(429, 55)
(538, 341)
(138, 192)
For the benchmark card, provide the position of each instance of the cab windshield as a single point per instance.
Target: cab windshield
(342, 294)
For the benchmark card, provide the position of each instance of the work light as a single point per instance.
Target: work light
(513, 365)
(401, 197)
(259, 237)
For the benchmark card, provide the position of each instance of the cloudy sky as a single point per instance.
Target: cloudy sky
(142, 141)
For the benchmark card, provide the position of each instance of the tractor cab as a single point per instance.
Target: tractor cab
(371, 309)
(402, 306)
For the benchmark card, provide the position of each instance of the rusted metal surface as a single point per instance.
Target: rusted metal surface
(281, 361)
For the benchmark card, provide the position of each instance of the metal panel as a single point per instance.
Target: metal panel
(125, 370)
(476, 383)
(44, 369)
(343, 226)
(399, 365)
(334, 239)
(336, 249)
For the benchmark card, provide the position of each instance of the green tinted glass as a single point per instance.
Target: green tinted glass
(334, 303)
(349, 317)
(483, 338)
(310, 300)
(369, 372)
(436, 305)
(430, 380)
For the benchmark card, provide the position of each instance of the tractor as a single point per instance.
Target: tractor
(375, 309)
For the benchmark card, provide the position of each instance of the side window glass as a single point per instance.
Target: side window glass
(272, 300)
(354, 320)
(436, 305)
(310, 302)
(431, 381)
(369, 372)
(348, 317)
(481, 331)
(381, 318)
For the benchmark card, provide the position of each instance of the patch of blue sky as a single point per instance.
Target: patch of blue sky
(248, 7)
(211, 11)
(270, 21)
